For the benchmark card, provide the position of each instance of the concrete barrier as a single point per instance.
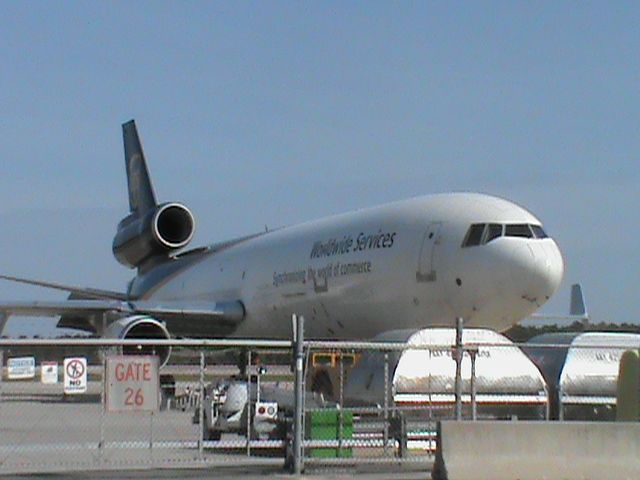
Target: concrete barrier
(504, 450)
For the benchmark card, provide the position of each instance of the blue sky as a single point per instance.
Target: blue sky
(275, 113)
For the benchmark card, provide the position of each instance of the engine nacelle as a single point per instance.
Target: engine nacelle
(141, 327)
(164, 229)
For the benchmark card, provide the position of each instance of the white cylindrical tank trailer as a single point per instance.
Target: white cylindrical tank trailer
(507, 382)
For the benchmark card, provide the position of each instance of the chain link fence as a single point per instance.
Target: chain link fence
(232, 402)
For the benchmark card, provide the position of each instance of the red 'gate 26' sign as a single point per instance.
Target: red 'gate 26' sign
(132, 383)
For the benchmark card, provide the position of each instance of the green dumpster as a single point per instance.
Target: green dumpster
(325, 425)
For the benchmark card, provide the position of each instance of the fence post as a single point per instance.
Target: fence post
(547, 410)
(103, 353)
(473, 353)
(201, 409)
(386, 402)
(341, 399)
(248, 370)
(1, 371)
(299, 394)
(458, 355)
(151, 434)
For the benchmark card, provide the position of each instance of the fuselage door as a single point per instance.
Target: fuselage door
(426, 263)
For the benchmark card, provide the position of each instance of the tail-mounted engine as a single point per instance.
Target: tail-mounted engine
(141, 327)
(150, 230)
(160, 231)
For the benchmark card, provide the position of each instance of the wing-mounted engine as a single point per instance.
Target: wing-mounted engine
(141, 327)
(159, 232)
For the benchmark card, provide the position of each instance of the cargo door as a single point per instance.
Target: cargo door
(428, 250)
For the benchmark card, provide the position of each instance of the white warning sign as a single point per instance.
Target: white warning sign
(49, 372)
(21, 368)
(75, 375)
(132, 383)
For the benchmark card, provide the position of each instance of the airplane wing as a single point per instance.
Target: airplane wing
(221, 312)
(87, 292)
(85, 306)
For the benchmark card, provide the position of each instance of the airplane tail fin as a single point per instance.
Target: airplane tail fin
(141, 195)
(150, 231)
(3, 322)
(577, 309)
(577, 306)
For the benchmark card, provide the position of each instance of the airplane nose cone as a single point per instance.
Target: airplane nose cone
(536, 270)
(555, 266)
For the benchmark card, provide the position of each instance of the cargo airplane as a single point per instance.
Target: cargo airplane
(409, 264)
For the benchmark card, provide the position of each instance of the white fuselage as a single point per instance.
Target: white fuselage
(396, 266)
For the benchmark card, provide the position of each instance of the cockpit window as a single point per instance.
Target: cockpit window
(518, 230)
(474, 235)
(494, 230)
(538, 231)
(483, 233)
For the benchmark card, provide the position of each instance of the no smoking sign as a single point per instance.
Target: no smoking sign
(132, 383)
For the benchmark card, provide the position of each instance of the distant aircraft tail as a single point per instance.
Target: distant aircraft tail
(3, 322)
(577, 307)
(141, 195)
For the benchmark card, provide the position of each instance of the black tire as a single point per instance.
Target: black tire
(213, 435)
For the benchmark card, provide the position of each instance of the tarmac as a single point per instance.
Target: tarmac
(49, 438)
(228, 473)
